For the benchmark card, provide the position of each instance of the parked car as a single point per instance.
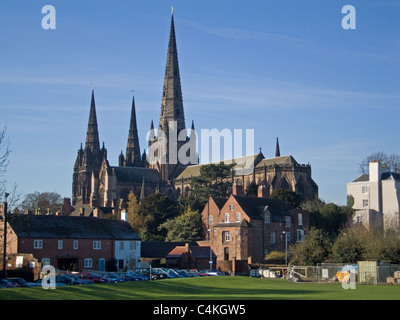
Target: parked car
(134, 276)
(158, 274)
(39, 283)
(112, 277)
(79, 281)
(19, 282)
(191, 273)
(181, 273)
(213, 272)
(200, 273)
(6, 284)
(96, 278)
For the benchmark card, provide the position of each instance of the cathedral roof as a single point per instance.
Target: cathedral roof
(284, 160)
(242, 165)
(136, 174)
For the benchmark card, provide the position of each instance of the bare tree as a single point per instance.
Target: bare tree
(391, 161)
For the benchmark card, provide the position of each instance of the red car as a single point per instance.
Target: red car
(96, 278)
(200, 273)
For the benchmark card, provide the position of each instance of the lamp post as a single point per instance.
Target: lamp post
(5, 236)
(211, 260)
(284, 232)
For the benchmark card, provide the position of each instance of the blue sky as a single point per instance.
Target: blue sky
(285, 68)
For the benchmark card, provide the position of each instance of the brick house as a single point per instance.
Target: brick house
(246, 228)
(73, 243)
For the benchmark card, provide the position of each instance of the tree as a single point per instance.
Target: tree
(315, 248)
(137, 220)
(214, 181)
(42, 202)
(348, 247)
(330, 217)
(391, 161)
(157, 209)
(290, 197)
(186, 227)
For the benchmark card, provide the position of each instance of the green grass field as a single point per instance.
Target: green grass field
(207, 288)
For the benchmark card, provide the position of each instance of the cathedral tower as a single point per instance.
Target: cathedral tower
(172, 117)
(88, 161)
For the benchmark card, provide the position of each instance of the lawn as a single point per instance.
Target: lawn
(207, 288)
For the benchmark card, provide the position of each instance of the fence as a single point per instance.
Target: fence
(368, 272)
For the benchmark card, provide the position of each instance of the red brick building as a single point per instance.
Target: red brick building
(72, 243)
(245, 228)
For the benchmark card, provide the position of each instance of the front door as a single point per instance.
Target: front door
(102, 265)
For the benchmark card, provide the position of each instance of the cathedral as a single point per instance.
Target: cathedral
(98, 184)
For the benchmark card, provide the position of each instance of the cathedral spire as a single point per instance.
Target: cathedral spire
(277, 150)
(92, 136)
(172, 102)
(133, 157)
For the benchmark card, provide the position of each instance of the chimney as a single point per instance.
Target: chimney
(262, 191)
(187, 248)
(237, 190)
(82, 212)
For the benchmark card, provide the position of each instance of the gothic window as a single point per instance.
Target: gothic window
(285, 184)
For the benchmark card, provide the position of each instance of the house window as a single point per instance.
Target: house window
(272, 237)
(299, 235)
(121, 245)
(37, 244)
(231, 207)
(75, 244)
(300, 219)
(227, 236)
(88, 263)
(267, 217)
(96, 245)
(226, 217)
(237, 216)
(210, 220)
(60, 244)
(365, 203)
(364, 189)
(288, 221)
(132, 245)
(287, 236)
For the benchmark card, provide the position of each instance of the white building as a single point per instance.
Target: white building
(376, 197)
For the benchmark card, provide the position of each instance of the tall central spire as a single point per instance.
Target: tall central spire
(92, 135)
(172, 102)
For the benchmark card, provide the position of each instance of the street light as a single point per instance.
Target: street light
(5, 236)
(211, 260)
(286, 253)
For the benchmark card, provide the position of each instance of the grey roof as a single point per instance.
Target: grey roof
(255, 207)
(362, 178)
(243, 165)
(67, 227)
(135, 174)
(284, 160)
